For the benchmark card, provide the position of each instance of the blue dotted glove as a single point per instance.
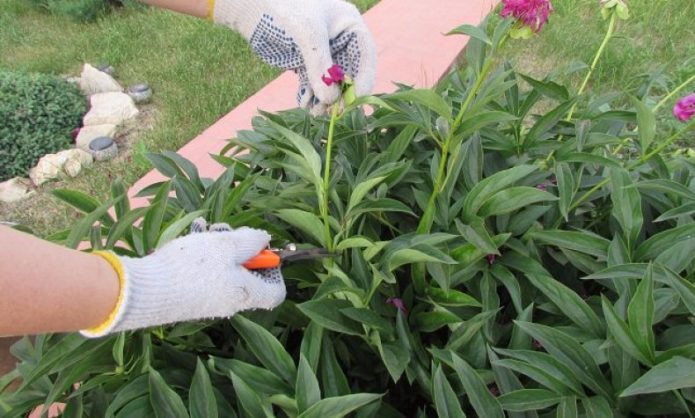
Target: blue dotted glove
(308, 37)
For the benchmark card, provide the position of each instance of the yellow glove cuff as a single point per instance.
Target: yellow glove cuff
(113, 260)
(211, 9)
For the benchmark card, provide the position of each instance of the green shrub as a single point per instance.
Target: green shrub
(545, 264)
(38, 113)
(82, 10)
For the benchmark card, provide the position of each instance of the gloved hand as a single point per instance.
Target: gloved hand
(307, 36)
(196, 276)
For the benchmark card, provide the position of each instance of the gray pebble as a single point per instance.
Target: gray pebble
(106, 68)
(140, 93)
(100, 143)
(103, 148)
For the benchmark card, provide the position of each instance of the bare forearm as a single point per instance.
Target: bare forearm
(198, 8)
(48, 288)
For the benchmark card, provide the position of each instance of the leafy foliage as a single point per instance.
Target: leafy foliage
(501, 282)
(82, 10)
(38, 113)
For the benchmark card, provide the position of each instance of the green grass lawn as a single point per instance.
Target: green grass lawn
(657, 41)
(199, 72)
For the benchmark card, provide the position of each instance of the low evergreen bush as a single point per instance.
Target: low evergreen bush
(83, 10)
(38, 113)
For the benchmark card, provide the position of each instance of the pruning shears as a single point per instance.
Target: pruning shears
(275, 257)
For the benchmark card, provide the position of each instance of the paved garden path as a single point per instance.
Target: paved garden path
(411, 49)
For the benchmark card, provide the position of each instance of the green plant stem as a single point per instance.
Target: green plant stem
(327, 176)
(479, 82)
(426, 220)
(671, 94)
(621, 145)
(594, 64)
(666, 143)
(642, 160)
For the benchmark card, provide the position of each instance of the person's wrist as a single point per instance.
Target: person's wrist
(111, 262)
(143, 298)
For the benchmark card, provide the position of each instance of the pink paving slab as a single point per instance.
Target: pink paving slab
(411, 49)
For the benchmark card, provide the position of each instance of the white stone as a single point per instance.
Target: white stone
(93, 81)
(110, 108)
(15, 189)
(49, 167)
(75, 161)
(54, 166)
(89, 133)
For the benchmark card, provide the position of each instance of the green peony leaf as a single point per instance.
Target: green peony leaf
(165, 402)
(201, 398)
(676, 373)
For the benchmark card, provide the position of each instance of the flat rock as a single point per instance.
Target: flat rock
(15, 189)
(55, 166)
(75, 161)
(89, 133)
(93, 81)
(49, 167)
(109, 109)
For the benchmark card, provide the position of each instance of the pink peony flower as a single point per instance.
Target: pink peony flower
(685, 108)
(398, 303)
(336, 75)
(532, 13)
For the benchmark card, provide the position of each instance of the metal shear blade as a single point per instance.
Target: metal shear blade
(293, 254)
(273, 258)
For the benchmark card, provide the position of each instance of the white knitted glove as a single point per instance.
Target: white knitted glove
(308, 37)
(196, 276)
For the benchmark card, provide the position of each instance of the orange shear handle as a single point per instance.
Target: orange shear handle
(266, 259)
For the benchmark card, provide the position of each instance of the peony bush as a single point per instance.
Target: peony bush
(491, 261)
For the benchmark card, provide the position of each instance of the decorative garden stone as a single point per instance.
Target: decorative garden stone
(106, 68)
(48, 168)
(54, 166)
(101, 143)
(140, 93)
(15, 189)
(103, 148)
(93, 81)
(89, 133)
(75, 161)
(110, 108)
